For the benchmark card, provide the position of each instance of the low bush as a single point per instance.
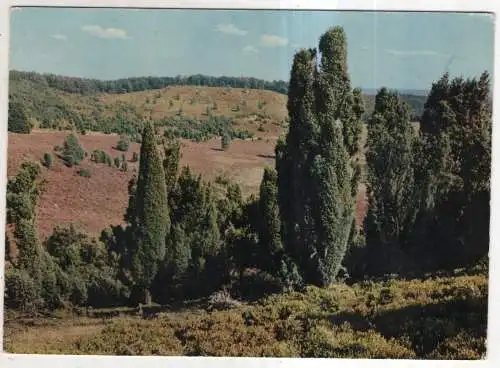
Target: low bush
(47, 160)
(123, 143)
(85, 173)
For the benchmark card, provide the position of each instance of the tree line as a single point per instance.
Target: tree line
(136, 84)
(428, 194)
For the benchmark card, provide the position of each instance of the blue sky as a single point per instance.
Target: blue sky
(397, 50)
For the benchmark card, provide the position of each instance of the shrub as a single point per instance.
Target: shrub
(225, 142)
(72, 152)
(117, 162)
(18, 120)
(135, 157)
(124, 166)
(123, 143)
(20, 290)
(86, 173)
(47, 160)
(100, 157)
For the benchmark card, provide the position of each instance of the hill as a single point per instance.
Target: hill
(57, 101)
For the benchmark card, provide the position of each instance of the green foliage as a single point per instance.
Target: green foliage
(23, 191)
(453, 173)
(18, 119)
(29, 249)
(85, 173)
(334, 206)
(135, 157)
(152, 213)
(294, 156)
(123, 143)
(225, 142)
(88, 271)
(47, 160)
(193, 129)
(124, 166)
(172, 151)
(317, 173)
(391, 182)
(100, 157)
(72, 152)
(20, 290)
(270, 225)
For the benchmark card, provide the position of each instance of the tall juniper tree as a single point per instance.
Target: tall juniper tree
(152, 213)
(294, 157)
(317, 165)
(391, 188)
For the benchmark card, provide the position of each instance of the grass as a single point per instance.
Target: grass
(436, 318)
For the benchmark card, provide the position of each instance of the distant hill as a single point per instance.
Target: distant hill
(54, 101)
(137, 84)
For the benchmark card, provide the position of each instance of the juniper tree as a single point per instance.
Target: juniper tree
(340, 100)
(294, 157)
(317, 165)
(152, 212)
(47, 160)
(72, 153)
(123, 143)
(391, 188)
(454, 178)
(32, 258)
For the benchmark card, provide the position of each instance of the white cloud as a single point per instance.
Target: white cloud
(273, 41)
(249, 49)
(230, 29)
(59, 37)
(101, 32)
(404, 53)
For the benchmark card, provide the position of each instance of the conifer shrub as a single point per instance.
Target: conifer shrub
(72, 152)
(85, 173)
(225, 142)
(47, 160)
(123, 143)
(100, 157)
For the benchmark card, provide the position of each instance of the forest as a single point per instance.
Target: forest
(291, 260)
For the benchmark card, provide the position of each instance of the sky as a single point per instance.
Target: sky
(395, 50)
